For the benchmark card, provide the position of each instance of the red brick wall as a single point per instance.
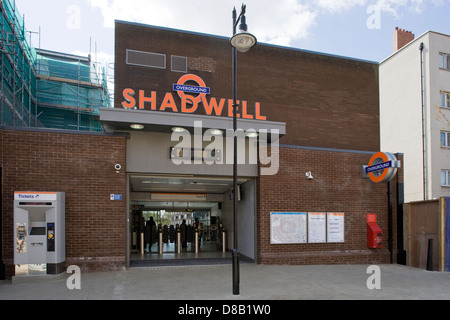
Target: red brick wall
(82, 166)
(338, 186)
(325, 101)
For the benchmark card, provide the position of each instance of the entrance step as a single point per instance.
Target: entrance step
(185, 262)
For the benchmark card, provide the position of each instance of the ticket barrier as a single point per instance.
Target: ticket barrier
(175, 237)
(221, 239)
(160, 240)
(39, 232)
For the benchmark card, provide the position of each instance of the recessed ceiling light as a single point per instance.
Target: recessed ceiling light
(216, 132)
(252, 135)
(137, 126)
(178, 129)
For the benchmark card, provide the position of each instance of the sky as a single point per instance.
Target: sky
(361, 29)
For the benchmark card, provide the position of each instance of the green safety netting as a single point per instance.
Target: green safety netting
(64, 94)
(77, 71)
(41, 91)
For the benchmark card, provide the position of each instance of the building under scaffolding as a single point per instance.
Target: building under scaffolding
(41, 88)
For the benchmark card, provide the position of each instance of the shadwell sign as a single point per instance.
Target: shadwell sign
(189, 103)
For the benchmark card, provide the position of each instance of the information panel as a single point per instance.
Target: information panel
(317, 227)
(288, 227)
(335, 227)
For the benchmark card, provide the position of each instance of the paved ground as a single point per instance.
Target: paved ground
(258, 282)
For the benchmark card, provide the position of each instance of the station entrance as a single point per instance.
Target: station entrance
(186, 220)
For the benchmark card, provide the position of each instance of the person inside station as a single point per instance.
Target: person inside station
(183, 231)
(150, 228)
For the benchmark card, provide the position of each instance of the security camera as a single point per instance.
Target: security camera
(118, 167)
(309, 175)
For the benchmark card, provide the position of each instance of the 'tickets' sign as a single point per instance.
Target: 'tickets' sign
(189, 103)
(382, 167)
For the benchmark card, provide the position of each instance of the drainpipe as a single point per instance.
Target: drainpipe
(390, 231)
(424, 153)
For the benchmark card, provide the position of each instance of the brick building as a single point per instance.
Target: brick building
(322, 115)
(82, 166)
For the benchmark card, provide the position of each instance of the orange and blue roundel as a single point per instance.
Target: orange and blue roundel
(181, 88)
(382, 167)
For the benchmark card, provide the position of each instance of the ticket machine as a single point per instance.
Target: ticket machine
(39, 233)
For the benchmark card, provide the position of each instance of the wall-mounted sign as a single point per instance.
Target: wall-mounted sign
(116, 197)
(33, 196)
(181, 88)
(302, 227)
(317, 227)
(189, 101)
(335, 227)
(382, 167)
(288, 227)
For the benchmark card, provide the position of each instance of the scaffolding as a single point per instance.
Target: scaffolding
(70, 92)
(18, 104)
(41, 88)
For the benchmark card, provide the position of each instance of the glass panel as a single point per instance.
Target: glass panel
(441, 61)
(443, 178)
(443, 136)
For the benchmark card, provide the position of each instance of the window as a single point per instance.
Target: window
(179, 64)
(445, 178)
(445, 139)
(445, 99)
(444, 61)
(146, 59)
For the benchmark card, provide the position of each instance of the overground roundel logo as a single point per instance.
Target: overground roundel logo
(181, 88)
(382, 167)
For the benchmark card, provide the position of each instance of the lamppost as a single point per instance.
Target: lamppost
(242, 42)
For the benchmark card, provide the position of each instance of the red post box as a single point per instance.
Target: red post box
(374, 233)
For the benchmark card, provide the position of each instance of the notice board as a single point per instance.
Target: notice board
(335, 227)
(317, 227)
(288, 227)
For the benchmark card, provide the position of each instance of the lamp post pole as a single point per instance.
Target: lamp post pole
(242, 42)
(235, 254)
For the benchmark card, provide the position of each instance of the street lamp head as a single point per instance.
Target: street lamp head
(243, 41)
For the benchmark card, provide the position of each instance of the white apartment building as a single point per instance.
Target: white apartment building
(415, 111)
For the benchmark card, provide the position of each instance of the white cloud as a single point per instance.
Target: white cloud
(282, 22)
(396, 7)
(278, 22)
(393, 7)
(334, 6)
